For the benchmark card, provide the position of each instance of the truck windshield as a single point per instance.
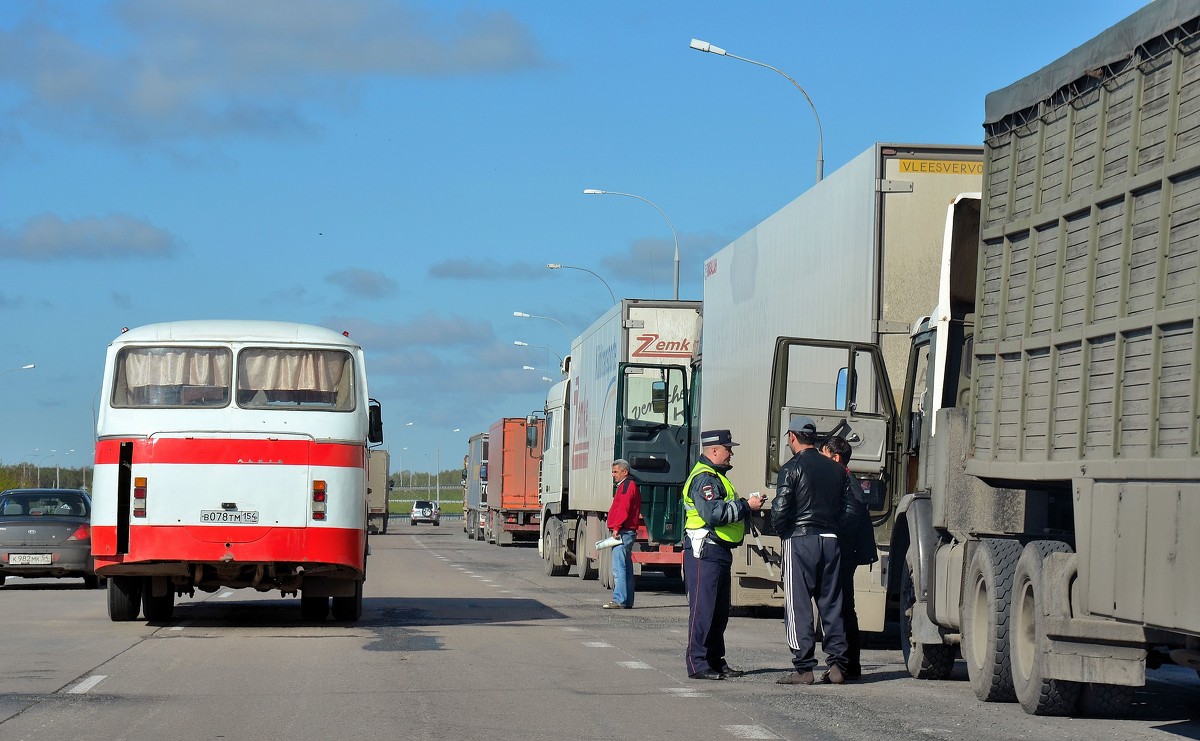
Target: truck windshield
(290, 378)
(172, 377)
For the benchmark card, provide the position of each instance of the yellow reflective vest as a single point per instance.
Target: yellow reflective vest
(733, 532)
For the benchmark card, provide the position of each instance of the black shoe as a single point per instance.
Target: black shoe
(797, 678)
(707, 674)
(728, 671)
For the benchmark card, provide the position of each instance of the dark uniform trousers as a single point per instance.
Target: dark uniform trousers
(708, 585)
(850, 619)
(811, 570)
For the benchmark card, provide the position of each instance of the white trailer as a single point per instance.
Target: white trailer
(854, 258)
(626, 396)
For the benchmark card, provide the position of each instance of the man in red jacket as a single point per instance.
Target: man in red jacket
(623, 519)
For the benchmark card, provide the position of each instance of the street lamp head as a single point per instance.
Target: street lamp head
(521, 314)
(28, 366)
(550, 380)
(518, 343)
(528, 367)
(553, 265)
(704, 46)
(592, 192)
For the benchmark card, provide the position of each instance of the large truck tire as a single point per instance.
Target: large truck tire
(924, 660)
(349, 609)
(469, 526)
(1027, 639)
(552, 555)
(124, 598)
(986, 618)
(1104, 700)
(587, 571)
(157, 608)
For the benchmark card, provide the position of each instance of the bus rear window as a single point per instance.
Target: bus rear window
(172, 377)
(287, 378)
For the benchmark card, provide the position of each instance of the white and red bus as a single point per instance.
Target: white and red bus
(233, 454)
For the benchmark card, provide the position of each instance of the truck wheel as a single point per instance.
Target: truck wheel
(924, 660)
(349, 609)
(552, 555)
(157, 609)
(90, 581)
(492, 525)
(385, 524)
(469, 519)
(1104, 700)
(1027, 639)
(313, 609)
(124, 598)
(987, 591)
(587, 572)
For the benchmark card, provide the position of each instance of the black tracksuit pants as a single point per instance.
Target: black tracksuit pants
(811, 571)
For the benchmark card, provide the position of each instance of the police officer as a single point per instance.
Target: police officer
(715, 524)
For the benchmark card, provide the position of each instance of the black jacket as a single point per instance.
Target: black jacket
(856, 540)
(813, 490)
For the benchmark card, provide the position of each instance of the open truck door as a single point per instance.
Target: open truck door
(654, 435)
(844, 388)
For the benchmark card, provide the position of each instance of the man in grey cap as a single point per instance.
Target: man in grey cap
(813, 500)
(715, 524)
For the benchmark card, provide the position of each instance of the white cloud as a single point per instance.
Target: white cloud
(49, 237)
(172, 71)
(360, 283)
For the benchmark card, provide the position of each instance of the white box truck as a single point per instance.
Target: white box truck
(626, 396)
(855, 258)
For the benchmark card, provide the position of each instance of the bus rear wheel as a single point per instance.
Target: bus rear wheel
(348, 609)
(124, 598)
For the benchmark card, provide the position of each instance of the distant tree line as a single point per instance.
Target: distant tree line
(29, 475)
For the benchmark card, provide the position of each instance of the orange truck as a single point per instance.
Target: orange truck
(513, 511)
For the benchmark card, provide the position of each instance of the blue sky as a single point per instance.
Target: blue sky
(404, 171)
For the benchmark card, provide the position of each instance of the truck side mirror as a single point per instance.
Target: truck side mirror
(375, 422)
(531, 434)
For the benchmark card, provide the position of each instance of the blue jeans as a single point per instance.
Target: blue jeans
(622, 559)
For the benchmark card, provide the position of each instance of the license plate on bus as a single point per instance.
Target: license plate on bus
(225, 517)
(29, 559)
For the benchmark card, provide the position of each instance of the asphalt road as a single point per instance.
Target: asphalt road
(465, 640)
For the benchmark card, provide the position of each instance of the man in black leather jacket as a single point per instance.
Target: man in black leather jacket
(813, 501)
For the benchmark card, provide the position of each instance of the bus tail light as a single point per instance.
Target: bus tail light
(318, 500)
(139, 496)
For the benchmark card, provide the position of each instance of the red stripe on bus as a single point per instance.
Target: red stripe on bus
(223, 451)
(249, 544)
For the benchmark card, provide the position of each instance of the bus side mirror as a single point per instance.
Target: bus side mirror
(375, 422)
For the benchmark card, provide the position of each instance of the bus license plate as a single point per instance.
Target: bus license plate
(29, 559)
(225, 517)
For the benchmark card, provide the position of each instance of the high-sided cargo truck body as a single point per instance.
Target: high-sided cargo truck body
(1052, 525)
(513, 509)
(476, 487)
(625, 396)
(854, 258)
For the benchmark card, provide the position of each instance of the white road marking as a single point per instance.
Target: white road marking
(634, 665)
(223, 595)
(749, 732)
(87, 684)
(573, 630)
(597, 644)
(683, 692)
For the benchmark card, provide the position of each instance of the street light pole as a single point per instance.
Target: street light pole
(438, 486)
(524, 315)
(560, 266)
(27, 366)
(704, 46)
(518, 343)
(594, 192)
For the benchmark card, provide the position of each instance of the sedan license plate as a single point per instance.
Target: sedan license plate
(29, 559)
(226, 517)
